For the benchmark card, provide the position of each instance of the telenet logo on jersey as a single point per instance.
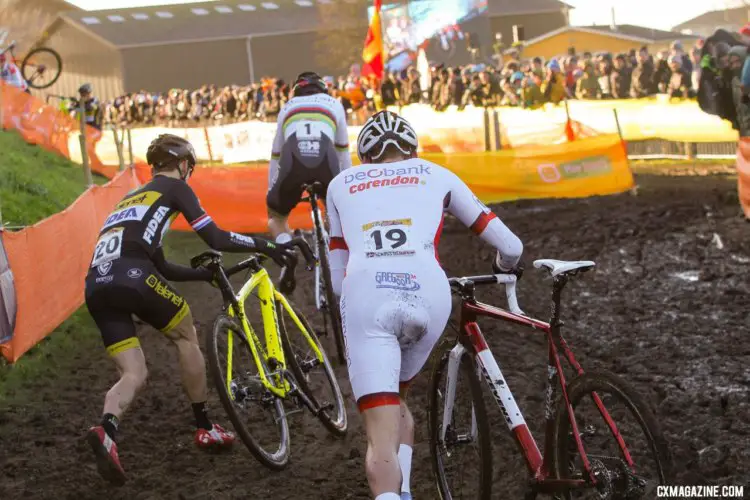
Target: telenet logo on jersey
(132, 208)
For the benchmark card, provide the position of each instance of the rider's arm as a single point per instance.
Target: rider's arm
(339, 251)
(342, 138)
(278, 144)
(473, 213)
(176, 272)
(224, 241)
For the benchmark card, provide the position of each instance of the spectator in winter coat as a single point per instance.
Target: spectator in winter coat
(553, 87)
(588, 85)
(642, 78)
(679, 81)
(390, 91)
(620, 78)
(662, 73)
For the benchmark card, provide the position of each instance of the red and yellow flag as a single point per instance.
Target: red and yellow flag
(373, 51)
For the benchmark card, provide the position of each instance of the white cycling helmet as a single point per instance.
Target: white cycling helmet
(381, 130)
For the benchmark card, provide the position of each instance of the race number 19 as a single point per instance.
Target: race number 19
(388, 238)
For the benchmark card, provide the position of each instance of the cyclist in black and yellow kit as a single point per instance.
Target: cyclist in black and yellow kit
(128, 276)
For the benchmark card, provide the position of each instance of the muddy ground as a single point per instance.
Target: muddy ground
(666, 307)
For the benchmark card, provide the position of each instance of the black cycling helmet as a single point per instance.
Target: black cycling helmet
(168, 150)
(86, 88)
(309, 83)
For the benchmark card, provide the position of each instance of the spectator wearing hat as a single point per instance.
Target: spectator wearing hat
(676, 50)
(553, 87)
(679, 82)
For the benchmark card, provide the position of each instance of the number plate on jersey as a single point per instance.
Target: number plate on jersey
(108, 247)
(388, 238)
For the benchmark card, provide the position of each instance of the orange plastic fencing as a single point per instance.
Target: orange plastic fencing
(49, 261)
(743, 174)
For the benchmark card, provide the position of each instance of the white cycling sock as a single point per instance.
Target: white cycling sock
(404, 460)
(283, 238)
(388, 496)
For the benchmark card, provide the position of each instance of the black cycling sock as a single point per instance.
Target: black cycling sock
(201, 416)
(110, 424)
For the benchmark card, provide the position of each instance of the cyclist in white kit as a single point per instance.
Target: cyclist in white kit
(385, 220)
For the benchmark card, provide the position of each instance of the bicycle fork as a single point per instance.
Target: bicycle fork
(488, 369)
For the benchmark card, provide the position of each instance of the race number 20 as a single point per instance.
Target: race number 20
(388, 238)
(108, 247)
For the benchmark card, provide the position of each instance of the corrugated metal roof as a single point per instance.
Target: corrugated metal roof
(739, 15)
(208, 21)
(641, 32)
(519, 7)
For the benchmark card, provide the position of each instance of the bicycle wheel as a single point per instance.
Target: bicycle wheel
(316, 379)
(249, 405)
(471, 436)
(331, 307)
(615, 478)
(41, 67)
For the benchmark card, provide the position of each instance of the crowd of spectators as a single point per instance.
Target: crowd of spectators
(527, 83)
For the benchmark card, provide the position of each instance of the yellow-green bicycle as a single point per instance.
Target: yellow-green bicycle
(261, 382)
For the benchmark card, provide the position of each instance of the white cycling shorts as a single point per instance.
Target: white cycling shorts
(392, 318)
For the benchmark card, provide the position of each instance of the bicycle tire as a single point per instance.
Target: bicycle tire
(37, 51)
(601, 381)
(468, 365)
(336, 426)
(275, 461)
(332, 305)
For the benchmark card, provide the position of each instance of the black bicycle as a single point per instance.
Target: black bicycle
(325, 299)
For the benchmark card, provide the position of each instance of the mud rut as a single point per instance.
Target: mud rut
(681, 340)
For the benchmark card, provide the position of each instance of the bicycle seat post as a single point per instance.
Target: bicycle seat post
(558, 284)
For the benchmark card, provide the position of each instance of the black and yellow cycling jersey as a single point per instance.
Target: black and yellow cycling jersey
(128, 272)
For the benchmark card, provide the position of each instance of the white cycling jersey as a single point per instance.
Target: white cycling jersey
(310, 117)
(11, 75)
(385, 224)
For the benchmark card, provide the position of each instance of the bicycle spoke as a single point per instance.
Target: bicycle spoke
(314, 375)
(461, 458)
(255, 405)
(624, 455)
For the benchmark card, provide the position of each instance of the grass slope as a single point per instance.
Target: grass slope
(35, 183)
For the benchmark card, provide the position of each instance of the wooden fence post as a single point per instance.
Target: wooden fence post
(82, 141)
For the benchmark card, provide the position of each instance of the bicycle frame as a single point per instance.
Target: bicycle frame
(320, 234)
(273, 355)
(472, 340)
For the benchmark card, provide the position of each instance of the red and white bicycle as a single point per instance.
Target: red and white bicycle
(612, 449)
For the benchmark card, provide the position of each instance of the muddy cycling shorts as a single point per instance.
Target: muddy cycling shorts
(392, 318)
(301, 162)
(127, 286)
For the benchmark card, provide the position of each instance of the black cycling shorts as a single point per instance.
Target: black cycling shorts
(301, 162)
(131, 286)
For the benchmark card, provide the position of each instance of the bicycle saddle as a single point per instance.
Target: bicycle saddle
(558, 267)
